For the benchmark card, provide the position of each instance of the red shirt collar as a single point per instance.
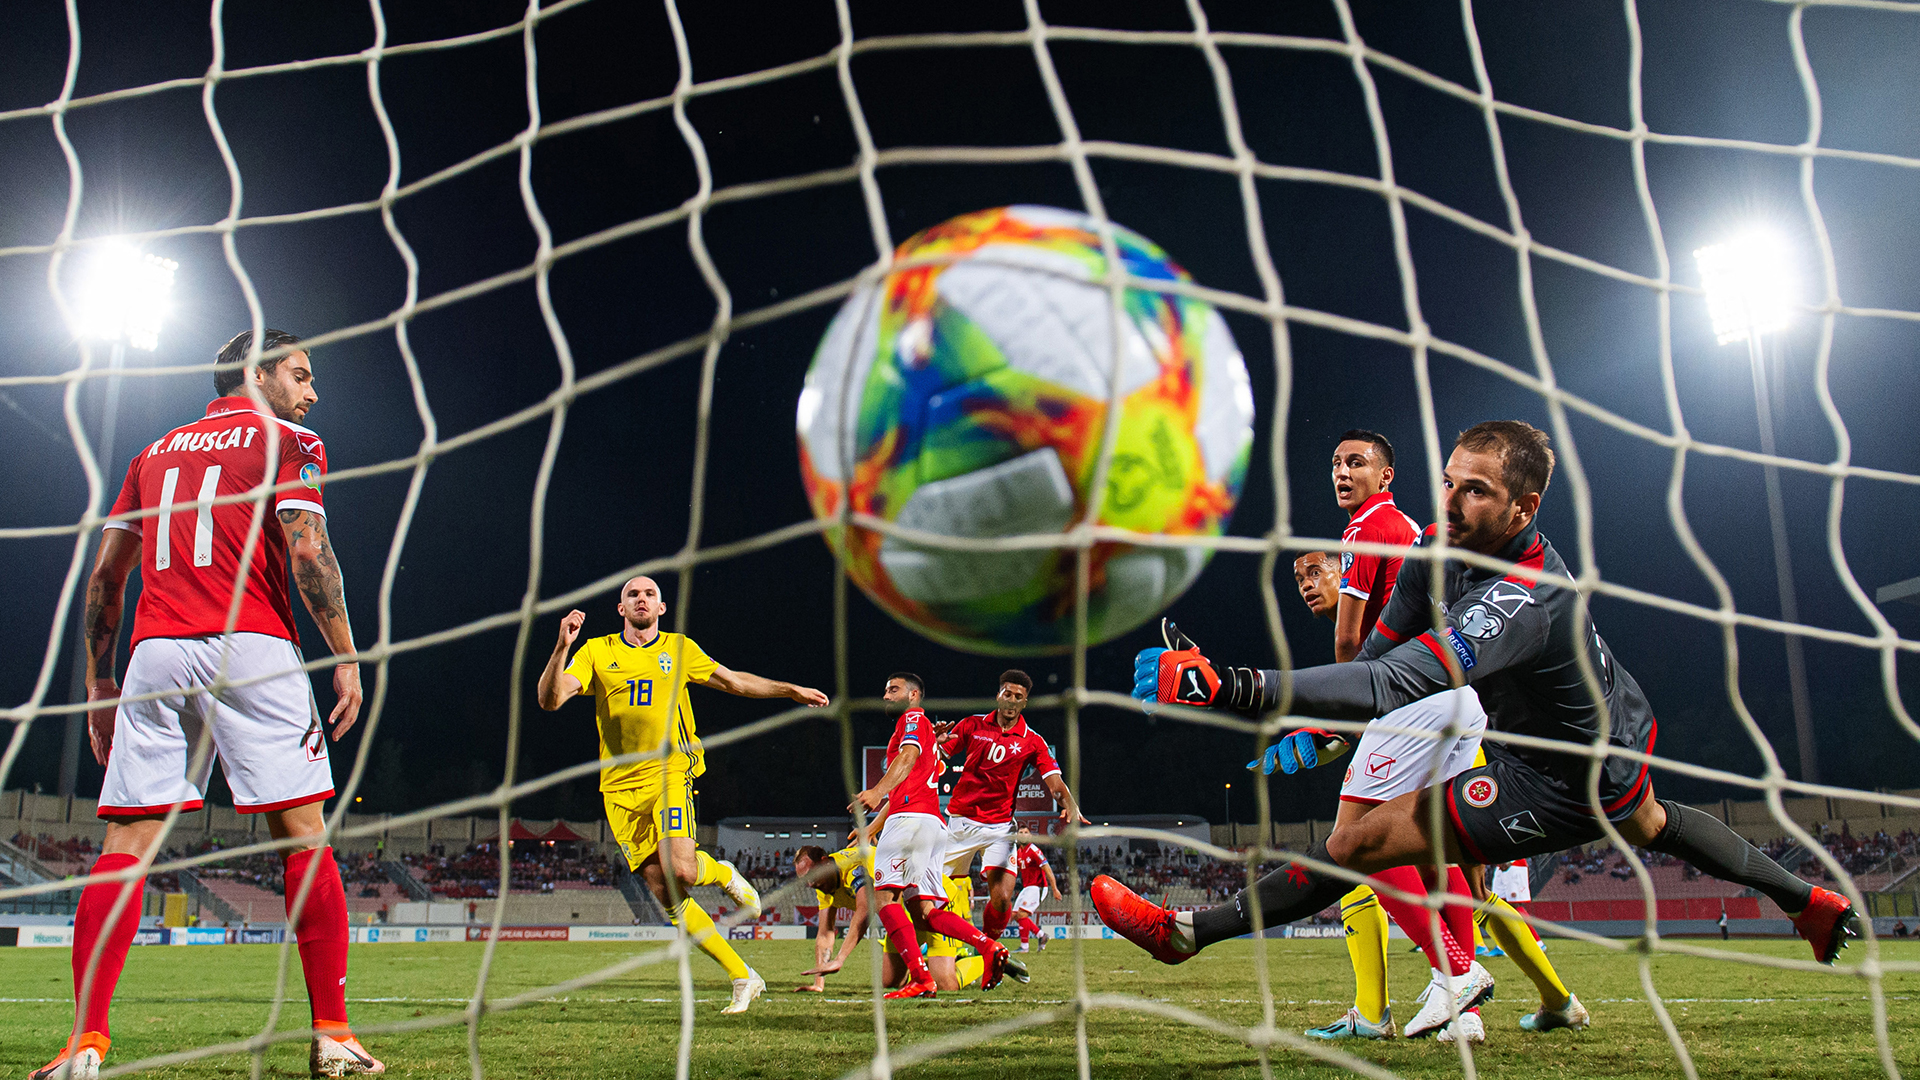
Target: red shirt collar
(234, 403)
(1376, 500)
(1019, 728)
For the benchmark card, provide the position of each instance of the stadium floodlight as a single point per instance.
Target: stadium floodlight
(1750, 294)
(1749, 285)
(125, 296)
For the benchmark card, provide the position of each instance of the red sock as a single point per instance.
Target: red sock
(321, 928)
(91, 927)
(1459, 917)
(942, 921)
(905, 942)
(1445, 954)
(1027, 929)
(993, 921)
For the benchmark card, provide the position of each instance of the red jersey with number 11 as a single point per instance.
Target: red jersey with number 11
(190, 554)
(919, 793)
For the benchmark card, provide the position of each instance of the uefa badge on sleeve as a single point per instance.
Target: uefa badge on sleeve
(310, 475)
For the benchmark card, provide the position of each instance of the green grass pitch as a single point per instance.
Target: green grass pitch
(1738, 1020)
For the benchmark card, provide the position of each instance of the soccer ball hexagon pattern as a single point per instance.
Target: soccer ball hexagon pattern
(966, 396)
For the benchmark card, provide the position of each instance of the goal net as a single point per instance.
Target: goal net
(570, 263)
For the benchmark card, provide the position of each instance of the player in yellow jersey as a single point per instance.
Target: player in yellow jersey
(841, 881)
(638, 678)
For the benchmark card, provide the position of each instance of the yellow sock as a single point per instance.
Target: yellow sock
(699, 927)
(1517, 939)
(969, 969)
(1367, 948)
(1479, 939)
(710, 870)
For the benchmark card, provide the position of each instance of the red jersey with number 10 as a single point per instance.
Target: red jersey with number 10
(190, 555)
(919, 793)
(994, 760)
(1031, 864)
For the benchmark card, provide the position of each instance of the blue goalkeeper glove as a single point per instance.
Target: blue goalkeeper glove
(1306, 748)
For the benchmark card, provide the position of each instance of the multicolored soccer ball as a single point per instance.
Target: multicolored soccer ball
(968, 398)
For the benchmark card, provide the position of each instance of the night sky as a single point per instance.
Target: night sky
(623, 478)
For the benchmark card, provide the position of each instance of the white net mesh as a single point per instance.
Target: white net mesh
(1529, 371)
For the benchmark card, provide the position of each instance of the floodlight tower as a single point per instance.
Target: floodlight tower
(1749, 285)
(124, 298)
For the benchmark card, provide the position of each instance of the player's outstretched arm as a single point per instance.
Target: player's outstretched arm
(106, 602)
(1069, 808)
(747, 684)
(556, 685)
(316, 573)
(897, 770)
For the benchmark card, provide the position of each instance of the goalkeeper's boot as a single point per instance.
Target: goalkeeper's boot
(1572, 1015)
(744, 991)
(1470, 1027)
(1354, 1025)
(922, 987)
(1466, 991)
(1827, 923)
(741, 890)
(340, 1054)
(1140, 921)
(83, 1063)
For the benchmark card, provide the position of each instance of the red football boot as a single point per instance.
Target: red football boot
(996, 970)
(1142, 922)
(1826, 923)
(915, 988)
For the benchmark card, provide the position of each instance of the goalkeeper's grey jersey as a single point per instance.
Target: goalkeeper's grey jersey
(1516, 638)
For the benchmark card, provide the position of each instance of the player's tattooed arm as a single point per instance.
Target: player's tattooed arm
(106, 600)
(316, 573)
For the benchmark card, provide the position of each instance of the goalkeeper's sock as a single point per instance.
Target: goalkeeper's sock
(710, 870)
(968, 970)
(321, 927)
(993, 921)
(1367, 949)
(942, 921)
(1516, 939)
(1289, 893)
(96, 924)
(694, 919)
(901, 935)
(1444, 952)
(1712, 848)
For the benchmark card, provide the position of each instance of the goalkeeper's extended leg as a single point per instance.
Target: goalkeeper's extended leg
(1821, 916)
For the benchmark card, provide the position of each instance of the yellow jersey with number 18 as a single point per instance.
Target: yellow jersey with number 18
(639, 700)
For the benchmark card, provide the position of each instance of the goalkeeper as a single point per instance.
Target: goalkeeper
(1522, 641)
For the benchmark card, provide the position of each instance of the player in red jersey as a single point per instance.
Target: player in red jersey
(188, 634)
(1362, 471)
(910, 851)
(1037, 882)
(995, 749)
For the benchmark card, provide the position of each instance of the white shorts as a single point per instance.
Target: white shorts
(1030, 898)
(1388, 764)
(966, 836)
(909, 855)
(272, 747)
(1514, 884)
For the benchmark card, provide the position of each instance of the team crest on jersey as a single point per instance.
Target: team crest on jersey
(1480, 792)
(666, 663)
(1480, 622)
(1348, 779)
(310, 475)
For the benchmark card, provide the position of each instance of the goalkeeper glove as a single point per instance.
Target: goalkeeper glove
(1180, 675)
(1305, 748)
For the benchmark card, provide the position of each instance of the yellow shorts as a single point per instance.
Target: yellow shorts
(960, 902)
(662, 806)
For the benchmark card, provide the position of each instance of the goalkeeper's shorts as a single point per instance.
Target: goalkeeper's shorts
(642, 817)
(1511, 809)
(1411, 749)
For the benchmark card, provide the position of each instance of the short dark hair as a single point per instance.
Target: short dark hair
(227, 379)
(1378, 440)
(910, 679)
(1323, 556)
(1526, 454)
(814, 852)
(1018, 678)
